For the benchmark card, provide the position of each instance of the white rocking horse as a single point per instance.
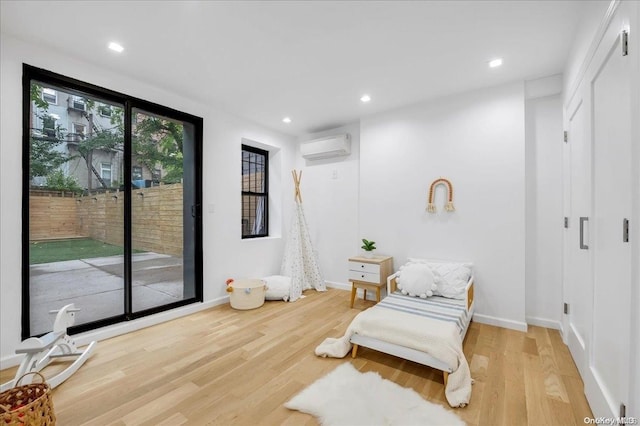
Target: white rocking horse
(40, 351)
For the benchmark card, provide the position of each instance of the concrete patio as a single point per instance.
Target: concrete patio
(96, 286)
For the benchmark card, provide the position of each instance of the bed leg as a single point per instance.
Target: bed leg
(354, 351)
(446, 378)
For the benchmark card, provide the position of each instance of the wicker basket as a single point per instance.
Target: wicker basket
(247, 294)
(27, 405)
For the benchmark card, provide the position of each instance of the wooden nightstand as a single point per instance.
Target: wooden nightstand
(369, 274)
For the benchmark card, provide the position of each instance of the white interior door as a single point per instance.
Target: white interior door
(578, 280)
(609, 360)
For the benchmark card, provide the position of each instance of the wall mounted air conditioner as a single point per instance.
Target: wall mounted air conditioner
(331, 146)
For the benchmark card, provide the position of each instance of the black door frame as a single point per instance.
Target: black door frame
(31, 73)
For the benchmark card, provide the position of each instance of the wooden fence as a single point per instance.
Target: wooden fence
(156, 218)
(52, 217)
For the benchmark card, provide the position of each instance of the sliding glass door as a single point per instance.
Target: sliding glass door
(111, 204)
(75, 204)
(163, 210)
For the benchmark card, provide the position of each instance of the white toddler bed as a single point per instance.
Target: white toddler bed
(428, 331)
(453, 311)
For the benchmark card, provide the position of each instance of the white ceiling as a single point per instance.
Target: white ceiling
(308, 60)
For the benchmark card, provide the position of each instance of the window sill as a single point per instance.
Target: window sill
(270, 237)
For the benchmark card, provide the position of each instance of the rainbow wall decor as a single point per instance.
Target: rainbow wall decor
(431, 207)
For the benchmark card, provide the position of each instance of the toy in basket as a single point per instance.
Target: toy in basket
(40, 351)
(27, 405)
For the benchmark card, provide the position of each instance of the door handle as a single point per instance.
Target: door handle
(583, 246)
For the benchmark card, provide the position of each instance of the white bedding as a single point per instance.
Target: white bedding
(436, 338)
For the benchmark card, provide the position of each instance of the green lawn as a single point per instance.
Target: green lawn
(57, 251)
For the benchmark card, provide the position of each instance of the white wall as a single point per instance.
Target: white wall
(225, 254)
(332, 203)
(330, 195)
(477, 141)
(543, 142)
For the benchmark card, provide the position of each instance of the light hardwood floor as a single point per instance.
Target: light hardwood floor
(225, 367)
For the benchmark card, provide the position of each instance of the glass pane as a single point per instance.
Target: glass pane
(253, 177)
(162, 231)
(253, 215)
(75, 207)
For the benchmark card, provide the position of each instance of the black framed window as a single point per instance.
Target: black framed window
(255, 192)
(116, 247)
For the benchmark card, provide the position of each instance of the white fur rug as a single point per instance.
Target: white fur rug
(347, 397)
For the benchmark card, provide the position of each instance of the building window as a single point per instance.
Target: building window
(255, 192)
(105, 172)
(136, 173)
(105, 110)
(50, 96)
(78, 130)
(49, 125)
(76, 103)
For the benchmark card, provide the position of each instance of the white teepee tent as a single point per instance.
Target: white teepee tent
(300, 261)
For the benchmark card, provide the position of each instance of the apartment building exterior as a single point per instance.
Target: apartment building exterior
(71, 123)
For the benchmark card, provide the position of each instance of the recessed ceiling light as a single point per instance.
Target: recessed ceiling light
(116, 47)
(495, 63)
(286, 120)
(365, 98)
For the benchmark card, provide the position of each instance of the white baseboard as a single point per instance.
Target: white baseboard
(483, 319)
(600, 400)
(546, 323)
(340, 286)
(10, 361)
(370, 295)
(500, 322)
(128, 326)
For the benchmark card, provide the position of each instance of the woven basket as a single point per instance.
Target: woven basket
(27, 405)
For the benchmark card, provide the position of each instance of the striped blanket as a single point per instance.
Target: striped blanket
(438, 308)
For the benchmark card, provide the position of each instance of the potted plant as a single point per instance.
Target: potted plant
(368, 247)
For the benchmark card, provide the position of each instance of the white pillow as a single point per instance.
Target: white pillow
(451, 278)
(416, 280)
(278, 287)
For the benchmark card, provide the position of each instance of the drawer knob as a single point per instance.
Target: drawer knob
(363, 276)
(362, 266)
